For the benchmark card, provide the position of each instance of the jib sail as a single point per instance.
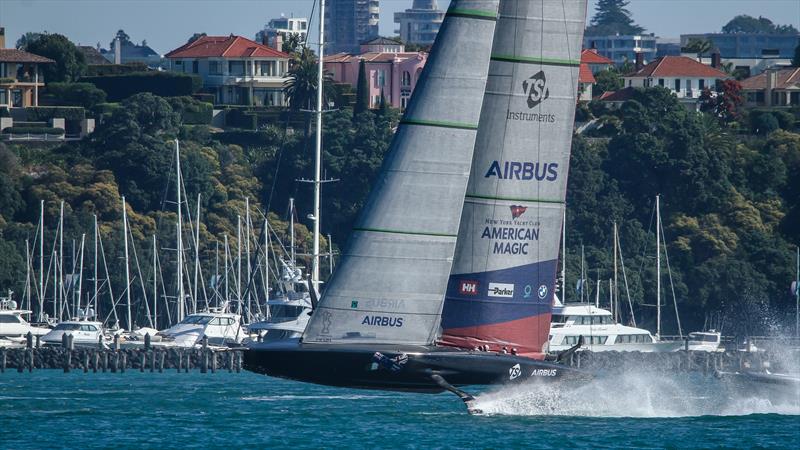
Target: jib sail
(501, 287)
(391, 282)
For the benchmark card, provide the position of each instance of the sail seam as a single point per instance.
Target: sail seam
(359, 310)
(531, 200)
(417, 233)
(439, 123)
(533, 60)
(472, 14)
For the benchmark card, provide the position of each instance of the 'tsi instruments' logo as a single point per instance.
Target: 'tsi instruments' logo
(536, 89)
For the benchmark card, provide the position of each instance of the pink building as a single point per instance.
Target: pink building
(393, 73)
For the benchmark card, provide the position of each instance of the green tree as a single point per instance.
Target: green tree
(611, 16)
(699, 46)
(195, 37)
(123, 39)
(27, 38)
(362, 90)
(292, 44)
(749, 24)
(608, 80)
(70, 63)
(301, 86)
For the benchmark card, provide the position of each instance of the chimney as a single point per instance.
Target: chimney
(772, 82)
(716, 60)
(2, 38)
(639, 61)
(278, 42)
(117, 51)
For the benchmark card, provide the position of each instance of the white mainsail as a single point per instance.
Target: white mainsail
(503, 277)
(390, 284)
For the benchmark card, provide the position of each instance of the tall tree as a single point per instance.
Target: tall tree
(796, 59)
(749, 24)
(301, 86)
(612, 16)
(362, 90)
(123, 38)
(27, 38)
(195, 37)
(70, 62)
(699, 46)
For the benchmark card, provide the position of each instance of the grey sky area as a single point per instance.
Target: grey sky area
(167, 24)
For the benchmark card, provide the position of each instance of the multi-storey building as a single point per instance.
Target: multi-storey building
(685, 77)
(236, 70)
(20, 76)
(420, 24)
(348, 23)
(749, 45)
(622, 48)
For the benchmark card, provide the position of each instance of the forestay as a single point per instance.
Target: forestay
(501, 288)
(390, 284)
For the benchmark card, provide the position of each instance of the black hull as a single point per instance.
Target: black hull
(398, 368)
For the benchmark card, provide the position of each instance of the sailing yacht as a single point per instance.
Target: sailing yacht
(448, 276)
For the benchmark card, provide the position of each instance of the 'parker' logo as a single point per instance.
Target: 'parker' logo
(536, 88)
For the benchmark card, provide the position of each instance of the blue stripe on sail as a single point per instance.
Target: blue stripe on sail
(516, 293)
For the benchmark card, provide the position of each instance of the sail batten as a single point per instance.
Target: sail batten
(503, 276)
(391, 281)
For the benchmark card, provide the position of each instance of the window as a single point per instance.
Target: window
(597, 340)
(195, 66)
(3, 99)
(7, 318)
(661, 82)
(236, 67)
(701, 84)
(214, 68)
(406, 78)
(677, 85)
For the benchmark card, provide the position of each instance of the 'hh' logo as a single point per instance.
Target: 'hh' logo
(536, 88)
(517, 210)
(468, 288)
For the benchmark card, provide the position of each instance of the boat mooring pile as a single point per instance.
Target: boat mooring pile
(146, 358)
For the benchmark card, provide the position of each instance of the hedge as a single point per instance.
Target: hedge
(45, 113)
(242, 138)
(96, 70)
(164, 84)
(193, 112)
(86, 95)
(34, 130)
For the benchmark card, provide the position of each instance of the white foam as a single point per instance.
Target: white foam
(639, 395)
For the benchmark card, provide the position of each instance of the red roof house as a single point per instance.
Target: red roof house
(235, 69)
(773, 87)
(684, 76)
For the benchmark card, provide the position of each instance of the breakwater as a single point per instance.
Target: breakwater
(154, 359)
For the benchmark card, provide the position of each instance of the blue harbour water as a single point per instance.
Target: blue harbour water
(50, 409)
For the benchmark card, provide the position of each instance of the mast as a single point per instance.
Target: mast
(291, 229)
(564, 258)
(615, 293)
(155, 285)
(196, 255)
(41, 260)
(27, 275)
(95, 263)
(583, 274)
(179, 228)
(318, 153)
(226, 251)
(80, 272)
(127, 269)
(266, 260)
(658, 268)
(247, 234)
(330, 255)
(239, 264)
(60, 269)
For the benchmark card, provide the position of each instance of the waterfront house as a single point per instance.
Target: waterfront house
(236, 70)
(777, 87)
(20, 78)
(685, 77)
(393, 74)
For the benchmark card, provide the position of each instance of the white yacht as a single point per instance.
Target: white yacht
(706, 341)
(289, 312)
(85, 332)
(600, 332)
(222, 329)
(13, 326)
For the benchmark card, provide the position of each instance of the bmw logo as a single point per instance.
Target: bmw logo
(542, 292)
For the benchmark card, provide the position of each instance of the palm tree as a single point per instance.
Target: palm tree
(301, 87)
(699, 46)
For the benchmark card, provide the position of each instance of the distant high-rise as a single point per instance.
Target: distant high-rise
(420, 24)
(348, 23)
